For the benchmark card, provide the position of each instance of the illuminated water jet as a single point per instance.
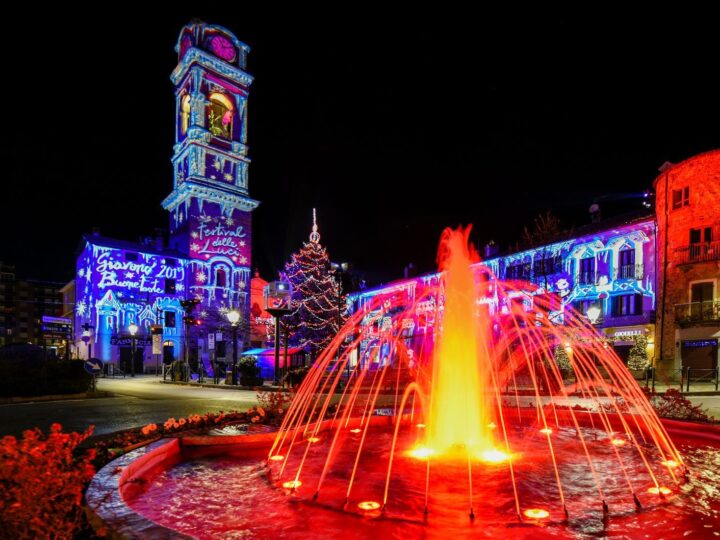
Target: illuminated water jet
(467, 399)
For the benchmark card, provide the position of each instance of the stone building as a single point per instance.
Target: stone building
(688, 217)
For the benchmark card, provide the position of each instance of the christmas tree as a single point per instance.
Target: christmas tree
(638, 356)
(562, 359)
(317, 302)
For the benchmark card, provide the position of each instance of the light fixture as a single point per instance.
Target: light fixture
(233, 316)
(133, 328)
(593, 314)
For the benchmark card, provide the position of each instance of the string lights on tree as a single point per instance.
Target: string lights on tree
(316, 306)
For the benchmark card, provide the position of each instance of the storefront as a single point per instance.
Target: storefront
(623, 338)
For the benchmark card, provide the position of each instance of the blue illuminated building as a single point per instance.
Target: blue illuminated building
(607, 273)
(207, 258)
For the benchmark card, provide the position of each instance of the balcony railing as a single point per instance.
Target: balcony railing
(698, 312)
(629, 271)
(697, 253)
(586, 278)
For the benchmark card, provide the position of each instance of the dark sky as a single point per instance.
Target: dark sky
(392, 128)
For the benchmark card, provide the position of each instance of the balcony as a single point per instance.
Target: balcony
(697, 313)
(586, 278)
(629, 271)
(698, 253)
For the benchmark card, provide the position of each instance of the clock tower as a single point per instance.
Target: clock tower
(210, 210)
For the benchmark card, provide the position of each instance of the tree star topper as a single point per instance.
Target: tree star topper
(314, 235)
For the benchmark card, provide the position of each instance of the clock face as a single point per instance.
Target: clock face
(223, 48)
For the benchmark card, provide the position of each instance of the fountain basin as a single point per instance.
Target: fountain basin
(207, 486)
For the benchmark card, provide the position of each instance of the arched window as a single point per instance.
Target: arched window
(184, 114)
(220, 278)
(220, 116)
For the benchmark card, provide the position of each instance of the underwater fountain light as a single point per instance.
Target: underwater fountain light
(421, 452)
(292, 484)
(355, 430)
(546, 431)
(659, 490)
(671, 463)
(277, 458)
(313, 439)
(421, 426)
(536, 513)
(493, 456)
(492, 425)
(369, 505)
(618, 442)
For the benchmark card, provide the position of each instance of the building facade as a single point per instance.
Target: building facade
(207, 257)
(23, 304)
(607, 275)
(688, 217)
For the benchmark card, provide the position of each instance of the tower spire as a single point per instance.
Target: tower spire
(315, 235)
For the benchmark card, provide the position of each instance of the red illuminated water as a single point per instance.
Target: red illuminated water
(232, 497)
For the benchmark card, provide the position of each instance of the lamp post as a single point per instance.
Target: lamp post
(133, 328)
(233, 316)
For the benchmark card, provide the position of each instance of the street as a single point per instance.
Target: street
(139, 401)
(145, 399)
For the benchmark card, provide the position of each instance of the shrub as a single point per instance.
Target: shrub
(42, 479)
(672, 404)
(25, 372)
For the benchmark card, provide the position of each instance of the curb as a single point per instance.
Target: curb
(228, 386)
(56, 397)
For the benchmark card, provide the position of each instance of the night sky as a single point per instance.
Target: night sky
(393, 128)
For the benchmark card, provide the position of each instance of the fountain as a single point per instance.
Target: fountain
(472, 429)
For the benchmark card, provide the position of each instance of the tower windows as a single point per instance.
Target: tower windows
(220, 116)
(184, 114)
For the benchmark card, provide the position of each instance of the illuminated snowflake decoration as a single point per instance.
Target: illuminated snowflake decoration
(81, 272)
(241, 284)
(217, 165)
(81, 307)
(201, 277)
(195, 234)
(228, 177)
(203, 314)
(243, 260)
(129, 275)
(242, 243)
(230, 221)
(194, 247)
(179, 287)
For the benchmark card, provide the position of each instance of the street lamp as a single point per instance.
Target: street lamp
(133, 328)
(233, 316)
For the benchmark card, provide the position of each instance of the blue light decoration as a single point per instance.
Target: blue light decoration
(118, 282)
(607, 275)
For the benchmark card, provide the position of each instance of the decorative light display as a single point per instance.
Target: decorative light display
(592, 274)
(317, 305)
(210, 211)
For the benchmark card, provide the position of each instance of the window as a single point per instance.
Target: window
(169, 319)
(587, 271)
(547, 266)
(626, 262)
(680, 197)
(701, 292)
(220, 116)
(169, 286)
(184, 114)
(220, 278)
(627, 304)
(517, 271)
(130, 256)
